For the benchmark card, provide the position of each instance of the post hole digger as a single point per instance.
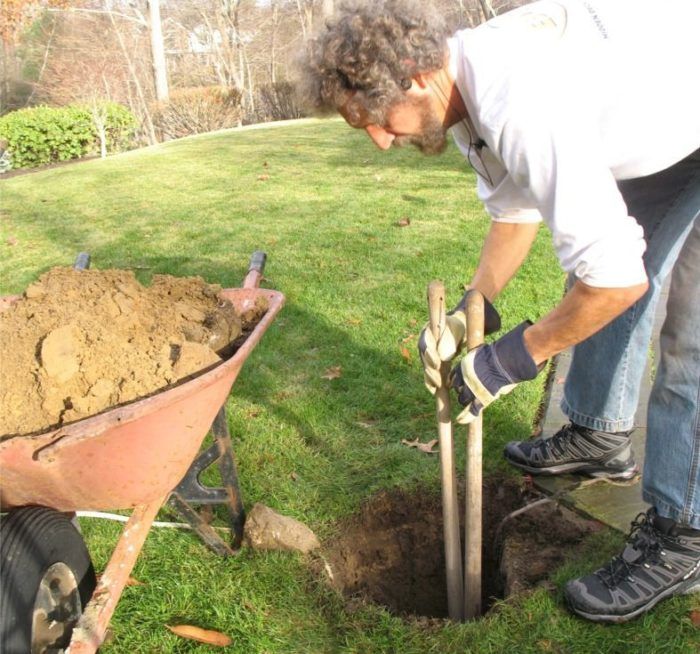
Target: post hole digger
(463, 593)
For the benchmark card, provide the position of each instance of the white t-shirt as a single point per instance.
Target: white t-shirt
(568, 97)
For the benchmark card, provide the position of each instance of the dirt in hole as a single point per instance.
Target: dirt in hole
(81, 341)
(392, 553)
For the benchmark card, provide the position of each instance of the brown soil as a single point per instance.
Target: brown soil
(392, 551)
(79, 342)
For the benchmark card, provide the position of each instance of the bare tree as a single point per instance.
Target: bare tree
(160, 72)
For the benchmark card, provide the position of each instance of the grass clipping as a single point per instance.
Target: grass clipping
(79, 342)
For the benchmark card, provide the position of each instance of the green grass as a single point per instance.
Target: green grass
(355, 286)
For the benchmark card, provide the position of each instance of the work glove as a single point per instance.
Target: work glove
(489, 371)
(451, 341)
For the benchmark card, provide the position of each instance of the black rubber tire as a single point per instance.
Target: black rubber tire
(32, 539)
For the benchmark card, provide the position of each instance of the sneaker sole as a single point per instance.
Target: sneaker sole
(582, 468)
(682, 588)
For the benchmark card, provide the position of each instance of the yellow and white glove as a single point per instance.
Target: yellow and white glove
(489, 371)
(451, 340)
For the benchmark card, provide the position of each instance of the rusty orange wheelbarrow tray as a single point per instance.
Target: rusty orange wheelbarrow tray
(129, 457)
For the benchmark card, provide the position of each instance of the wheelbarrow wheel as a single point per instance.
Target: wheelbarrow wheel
(47, 579)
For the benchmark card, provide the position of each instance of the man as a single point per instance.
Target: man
(586, 115)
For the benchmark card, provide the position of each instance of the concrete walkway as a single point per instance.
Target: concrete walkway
(614, 504)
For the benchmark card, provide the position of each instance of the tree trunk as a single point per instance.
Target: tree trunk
(148, 121)
(327, 9)
(487, 8)
(160, 72)
(274, 4)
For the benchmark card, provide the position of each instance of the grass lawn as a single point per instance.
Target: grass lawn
(324, 205)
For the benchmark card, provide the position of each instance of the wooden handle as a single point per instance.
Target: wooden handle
(436, 307)
(475, 319)
(450, 506)
(473, 501)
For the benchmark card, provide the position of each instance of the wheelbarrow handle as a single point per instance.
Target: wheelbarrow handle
(255, 269)
(82, 261)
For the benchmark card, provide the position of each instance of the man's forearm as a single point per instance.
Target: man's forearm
(504, 250)
(583, 311)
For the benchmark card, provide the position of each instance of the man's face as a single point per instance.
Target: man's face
(410, 122)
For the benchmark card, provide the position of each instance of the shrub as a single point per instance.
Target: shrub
(198, 109)
(45, 135)
(276, 101)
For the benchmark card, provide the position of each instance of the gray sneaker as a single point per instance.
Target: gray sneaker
(659, 561)
(576, 449)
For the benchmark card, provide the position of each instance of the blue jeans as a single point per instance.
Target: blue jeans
(603, 384)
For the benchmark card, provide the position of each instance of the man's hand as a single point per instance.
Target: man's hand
(489, 371)
(451, 341)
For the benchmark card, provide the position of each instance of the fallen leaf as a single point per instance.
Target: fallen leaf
(265, 164)
(263, 178)
(404, 222)
(408, 338)
(423, 447)
(405, 353)
(695, 617)
(332, 373)
(11, 241)
(201, 635)
(366, 424)
(294, 476)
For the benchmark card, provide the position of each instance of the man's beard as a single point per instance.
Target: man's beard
(433, 136)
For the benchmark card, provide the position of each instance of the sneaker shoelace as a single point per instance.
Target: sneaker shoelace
(643, 538)
(558, 445)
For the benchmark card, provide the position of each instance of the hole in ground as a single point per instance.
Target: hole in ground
(391, 552)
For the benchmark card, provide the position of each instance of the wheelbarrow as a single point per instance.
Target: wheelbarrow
(129, 457)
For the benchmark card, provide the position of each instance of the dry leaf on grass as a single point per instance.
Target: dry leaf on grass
(405, 353)
(201, 635)
(404, 222)
(332, 373)
(11, 241)
(408, 338)
(366, 424)
(263, 178)
(695, 617)
(423, 447)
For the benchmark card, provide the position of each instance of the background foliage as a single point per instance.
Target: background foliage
(45, 135)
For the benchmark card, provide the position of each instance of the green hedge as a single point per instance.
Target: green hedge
(44, 135)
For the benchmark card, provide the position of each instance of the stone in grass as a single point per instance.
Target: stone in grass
(267, 530)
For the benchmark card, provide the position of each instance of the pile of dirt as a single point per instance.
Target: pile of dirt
(392, 551)
(80, 341)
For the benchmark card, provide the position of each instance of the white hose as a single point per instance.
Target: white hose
(124, 518)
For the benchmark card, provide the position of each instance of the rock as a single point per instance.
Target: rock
(267, 530)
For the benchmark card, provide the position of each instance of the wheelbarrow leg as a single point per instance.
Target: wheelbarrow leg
(90, 631)
(191, 491)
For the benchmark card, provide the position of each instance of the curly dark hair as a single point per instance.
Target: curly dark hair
(371, 48)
